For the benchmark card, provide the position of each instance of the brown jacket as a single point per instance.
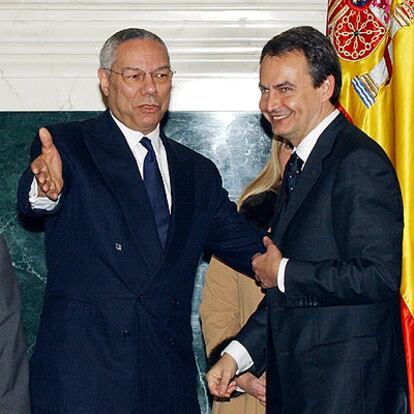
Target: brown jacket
(229, 298)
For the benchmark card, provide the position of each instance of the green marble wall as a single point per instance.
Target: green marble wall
(236, 142)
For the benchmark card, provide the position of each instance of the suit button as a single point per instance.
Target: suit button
(126, 333)
(175, 301)
(171, 341)
(140, 297)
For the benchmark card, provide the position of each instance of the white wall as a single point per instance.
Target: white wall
(49, 49)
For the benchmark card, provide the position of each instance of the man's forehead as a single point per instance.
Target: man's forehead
(134, 51)
(284, 67)
(293, 57)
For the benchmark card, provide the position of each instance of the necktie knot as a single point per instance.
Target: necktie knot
(146, 143)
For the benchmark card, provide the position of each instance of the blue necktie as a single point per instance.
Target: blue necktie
(291, 174)
(156, 191)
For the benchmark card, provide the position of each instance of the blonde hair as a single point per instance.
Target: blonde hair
(269, 179)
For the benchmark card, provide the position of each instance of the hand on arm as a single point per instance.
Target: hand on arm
(253, 386)
(220, 378)
(265, 266)
(47, 168)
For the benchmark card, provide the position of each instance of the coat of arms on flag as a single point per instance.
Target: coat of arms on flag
(357, 28)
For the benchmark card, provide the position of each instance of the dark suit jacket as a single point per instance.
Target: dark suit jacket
(14, 372)
(115, 335)
(334, 338)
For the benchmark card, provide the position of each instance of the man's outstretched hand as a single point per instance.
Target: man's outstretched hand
(47, 167)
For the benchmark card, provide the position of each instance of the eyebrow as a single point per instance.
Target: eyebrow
(283, 84)
(277, 85)
(159, 68)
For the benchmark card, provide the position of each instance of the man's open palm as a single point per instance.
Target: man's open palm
(47, 167)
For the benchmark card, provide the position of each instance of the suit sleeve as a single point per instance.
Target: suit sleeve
(14, 377)
(231, 238)
(253, 336)
(367, 224)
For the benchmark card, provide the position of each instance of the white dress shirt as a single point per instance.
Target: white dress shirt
(235, 348)
(138, 150)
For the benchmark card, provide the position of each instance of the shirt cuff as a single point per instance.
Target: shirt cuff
(40, 203)
(240, 354)
(281, 274)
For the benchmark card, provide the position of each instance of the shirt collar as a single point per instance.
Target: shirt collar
(308, 143)
(133, 137)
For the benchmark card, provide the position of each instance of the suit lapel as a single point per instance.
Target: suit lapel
(280, 203)
(118, 168)
(310, 174)
(307, 179)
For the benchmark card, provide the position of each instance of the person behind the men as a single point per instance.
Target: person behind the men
(333, 266)
(127, 214)
(14, 370)
(229, 298)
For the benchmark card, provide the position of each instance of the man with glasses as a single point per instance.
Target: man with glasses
(127, 214)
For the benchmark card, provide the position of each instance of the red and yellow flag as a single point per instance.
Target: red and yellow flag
(375, 43)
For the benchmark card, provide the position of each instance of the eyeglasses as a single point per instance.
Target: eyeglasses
(135, 76)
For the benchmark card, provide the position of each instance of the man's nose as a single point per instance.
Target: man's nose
(148, 85)
(272, 101)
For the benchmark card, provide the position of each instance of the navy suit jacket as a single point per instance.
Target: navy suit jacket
(115, 335)
(334, 342)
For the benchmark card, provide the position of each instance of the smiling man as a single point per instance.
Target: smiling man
(332, 269)
(127, 217)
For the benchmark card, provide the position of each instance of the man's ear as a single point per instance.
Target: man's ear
(104, 81)
(327, 88)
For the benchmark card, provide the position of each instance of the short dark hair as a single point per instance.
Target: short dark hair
(318, 50)
(107, 55)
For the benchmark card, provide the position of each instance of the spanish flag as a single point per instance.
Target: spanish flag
(374, 40)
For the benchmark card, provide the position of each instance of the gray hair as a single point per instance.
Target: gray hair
(107, 55)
